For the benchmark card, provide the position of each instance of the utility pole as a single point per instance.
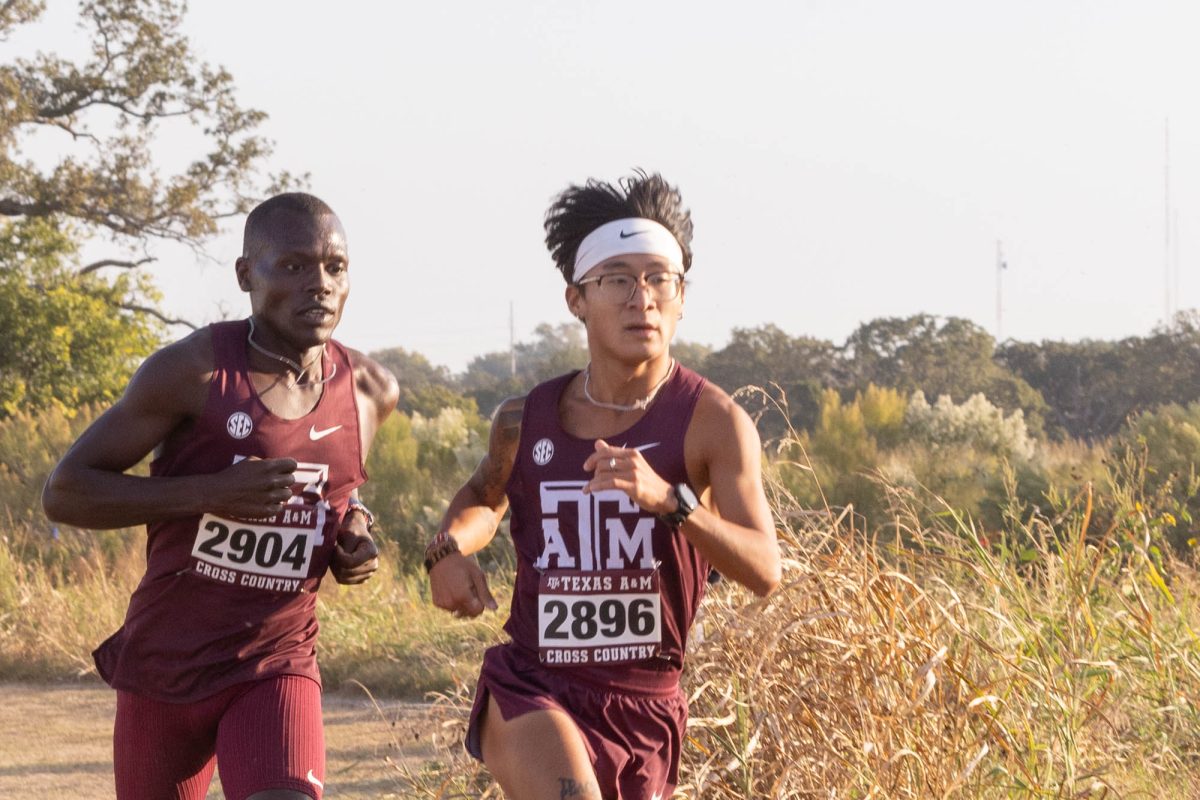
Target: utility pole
(1000, 267)
(1175, 255)
(512, 342)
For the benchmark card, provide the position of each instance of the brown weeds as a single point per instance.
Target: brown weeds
(1058, 657)
(935, 665)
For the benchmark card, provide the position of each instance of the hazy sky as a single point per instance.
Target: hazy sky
(843, 160)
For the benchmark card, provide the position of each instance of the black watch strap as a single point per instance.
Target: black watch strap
(686, 503)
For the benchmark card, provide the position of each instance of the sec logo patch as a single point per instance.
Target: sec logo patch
(543, 451)
(239, 424)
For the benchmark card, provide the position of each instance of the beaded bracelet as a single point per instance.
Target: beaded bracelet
(358, 505)
(438, 548)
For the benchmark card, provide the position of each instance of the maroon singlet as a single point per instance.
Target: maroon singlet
(225, 601)
(604, 592)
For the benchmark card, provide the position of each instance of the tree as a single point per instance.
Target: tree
(489, 378)
(63, 342)
(424, 388)
(67, 335)
(1092, 387)
(105, 113)
(1086, 384)
(938, 356)
(692, 355)
(800, 366)
(555, 350)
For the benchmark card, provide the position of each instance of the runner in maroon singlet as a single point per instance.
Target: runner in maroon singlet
(260, 430)
(627, 481)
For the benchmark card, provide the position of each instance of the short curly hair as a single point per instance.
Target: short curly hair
(579, 210)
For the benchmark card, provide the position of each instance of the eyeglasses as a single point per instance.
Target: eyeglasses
(619, 288)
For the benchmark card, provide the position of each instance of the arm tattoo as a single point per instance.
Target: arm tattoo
(569, 787)
(508, 426)
(492, 474)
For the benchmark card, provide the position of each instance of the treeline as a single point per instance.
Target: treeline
(919, 405)
(1066, 390)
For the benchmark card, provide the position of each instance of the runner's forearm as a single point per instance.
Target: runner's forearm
(96, 498)
(471, 520)
(743, 554)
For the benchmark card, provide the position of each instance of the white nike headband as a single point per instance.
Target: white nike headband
(624, 237)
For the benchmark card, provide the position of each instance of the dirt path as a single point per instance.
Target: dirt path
(56, 741)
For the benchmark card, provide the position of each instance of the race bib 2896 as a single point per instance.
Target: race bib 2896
(598, 618)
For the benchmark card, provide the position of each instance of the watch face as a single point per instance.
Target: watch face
(687, 498)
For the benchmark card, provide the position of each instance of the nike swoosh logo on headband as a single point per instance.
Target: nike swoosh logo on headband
(625, 235)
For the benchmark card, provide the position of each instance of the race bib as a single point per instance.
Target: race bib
(274, 553)
(598, 618)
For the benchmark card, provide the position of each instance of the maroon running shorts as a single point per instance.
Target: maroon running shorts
(262, 735)
(634, 740)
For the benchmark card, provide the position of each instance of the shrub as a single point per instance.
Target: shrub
(415, 465)
(1167, 442)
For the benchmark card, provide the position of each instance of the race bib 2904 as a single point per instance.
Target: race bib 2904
(598, 618)
(274, 554)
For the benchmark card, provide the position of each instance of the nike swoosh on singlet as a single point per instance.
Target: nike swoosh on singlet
(313, 778)
(315, 434)
(642, 447)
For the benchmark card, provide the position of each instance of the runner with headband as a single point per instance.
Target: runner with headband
(627, 481)
(261, 428)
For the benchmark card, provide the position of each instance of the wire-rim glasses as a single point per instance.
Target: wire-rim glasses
(619, 287)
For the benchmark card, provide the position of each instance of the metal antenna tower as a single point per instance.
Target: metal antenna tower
(1167, 221)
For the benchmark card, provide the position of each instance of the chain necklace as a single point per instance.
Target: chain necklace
(296, 367)
(638, 405)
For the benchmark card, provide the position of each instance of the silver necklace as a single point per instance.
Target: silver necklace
(293, 365)
(638, 405)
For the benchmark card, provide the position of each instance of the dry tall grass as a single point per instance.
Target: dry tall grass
(55, 609)
(1052, 660)
(1055, 658)
(933, 666)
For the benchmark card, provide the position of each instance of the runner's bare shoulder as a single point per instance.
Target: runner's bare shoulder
(715, 409)
(374, 380)
(720, 428)
(175, 379)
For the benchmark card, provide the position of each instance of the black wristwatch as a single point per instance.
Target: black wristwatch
(687, 501)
